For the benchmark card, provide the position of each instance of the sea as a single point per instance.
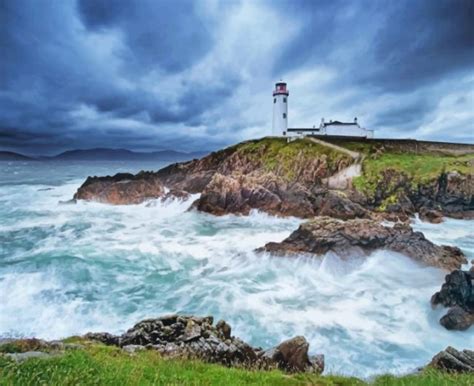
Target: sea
(67, 269)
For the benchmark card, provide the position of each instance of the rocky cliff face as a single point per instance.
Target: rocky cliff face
(291, 179)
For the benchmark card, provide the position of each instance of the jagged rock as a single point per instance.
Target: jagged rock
(324, 234)
(457, 292)
(452, 360)
(431, 215)
(292, 356)
(123, 188)
(182, 336)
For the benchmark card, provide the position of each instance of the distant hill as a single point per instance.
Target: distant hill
(103, 154)
(11, 156)
(125, 155)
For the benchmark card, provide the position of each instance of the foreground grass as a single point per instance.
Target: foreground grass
(102, 365)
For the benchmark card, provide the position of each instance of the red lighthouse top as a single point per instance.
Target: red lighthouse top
(280, 89)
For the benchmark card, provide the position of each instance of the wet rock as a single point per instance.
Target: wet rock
(457, 292)
(363, 236)
(457, 318)
(431, 215)
(452, 360)
(123, 188)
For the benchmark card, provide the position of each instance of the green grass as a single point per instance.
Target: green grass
(101, 365)
(286, 159)
(420, 168)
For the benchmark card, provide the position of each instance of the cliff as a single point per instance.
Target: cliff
(303, 178)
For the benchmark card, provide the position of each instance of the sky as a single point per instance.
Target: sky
(198, 75)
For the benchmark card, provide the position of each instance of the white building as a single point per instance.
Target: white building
(280, 109)
(331, 128)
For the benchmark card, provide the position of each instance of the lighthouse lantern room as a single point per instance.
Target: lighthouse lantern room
(280, 109)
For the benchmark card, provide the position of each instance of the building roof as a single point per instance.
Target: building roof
(338, 123)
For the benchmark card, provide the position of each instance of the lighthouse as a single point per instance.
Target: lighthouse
(280, 109)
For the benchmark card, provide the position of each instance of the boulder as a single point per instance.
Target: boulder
(292, 356)
(457, 292)
(457, 318)
(453, 361)
(363, 236)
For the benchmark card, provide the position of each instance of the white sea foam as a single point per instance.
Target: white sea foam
(69, 269)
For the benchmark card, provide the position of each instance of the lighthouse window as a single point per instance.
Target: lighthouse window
(284, 115)
(274, 100)
(284, 100)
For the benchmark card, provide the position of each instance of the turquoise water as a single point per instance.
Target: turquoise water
(69, 269)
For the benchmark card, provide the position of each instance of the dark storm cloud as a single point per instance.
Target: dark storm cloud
(167, 33)
(391, 45)
(184, 74)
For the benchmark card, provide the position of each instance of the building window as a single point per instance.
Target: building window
(274, 100)
(284, 115)
(284, 100)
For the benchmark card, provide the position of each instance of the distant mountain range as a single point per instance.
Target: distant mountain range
(103, 154)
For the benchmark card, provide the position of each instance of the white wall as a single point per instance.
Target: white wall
(280, 107)
(346, 130)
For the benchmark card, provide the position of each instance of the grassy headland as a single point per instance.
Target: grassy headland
(96, 364)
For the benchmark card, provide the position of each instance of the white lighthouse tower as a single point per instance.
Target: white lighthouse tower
(280, 109)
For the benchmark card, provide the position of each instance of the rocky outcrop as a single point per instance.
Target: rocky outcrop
(457, 292)
(292, 179)
(454, 361)
(123, 188)
(362, 236)
(179, 336)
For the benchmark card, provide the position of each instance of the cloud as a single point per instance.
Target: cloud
(193, 75)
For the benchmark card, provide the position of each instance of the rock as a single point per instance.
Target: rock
(103, 337)
(181, 336)
(457, 318)
(224, 329)
(452, 360)
(431, 215)
(456, 292)
(21, 357)
(363, 236)
(337, 204)
(175, 194)
(292, 356)
(123, 188)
